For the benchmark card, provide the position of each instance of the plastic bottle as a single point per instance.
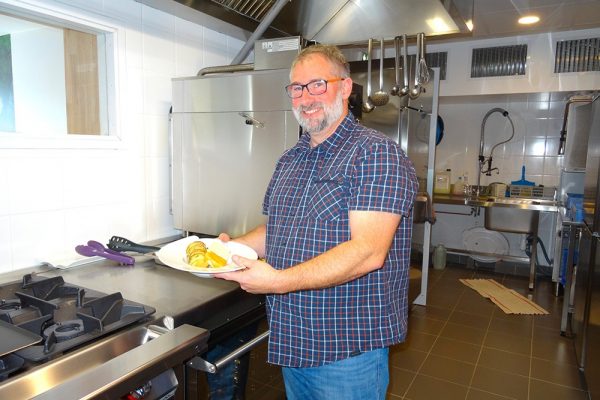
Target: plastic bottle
(458, 187)
(442, 182)
(439, 257)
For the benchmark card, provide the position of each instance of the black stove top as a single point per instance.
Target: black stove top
(63, 315)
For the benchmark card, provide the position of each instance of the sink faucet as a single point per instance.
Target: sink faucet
(483, 168)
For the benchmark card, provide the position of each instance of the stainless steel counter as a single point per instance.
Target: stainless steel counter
(487, 201)
(178, 297)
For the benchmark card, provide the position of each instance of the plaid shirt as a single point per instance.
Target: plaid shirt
(307, 201)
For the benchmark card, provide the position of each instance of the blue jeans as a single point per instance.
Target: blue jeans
(362, 377)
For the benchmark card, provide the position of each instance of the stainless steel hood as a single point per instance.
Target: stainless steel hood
(337, 21)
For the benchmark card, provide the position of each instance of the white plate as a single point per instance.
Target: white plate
(485, 241)
(173, 255)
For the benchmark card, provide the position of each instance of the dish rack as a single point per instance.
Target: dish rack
(533, 192)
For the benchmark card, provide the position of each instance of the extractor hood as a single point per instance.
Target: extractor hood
(334, 21)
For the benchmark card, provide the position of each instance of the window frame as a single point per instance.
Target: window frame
(74, 19)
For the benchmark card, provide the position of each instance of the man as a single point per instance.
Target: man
(337, 242)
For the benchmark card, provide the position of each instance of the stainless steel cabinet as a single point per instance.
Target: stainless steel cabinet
(228, 132)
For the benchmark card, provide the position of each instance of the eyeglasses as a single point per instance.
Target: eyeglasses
(316, 87)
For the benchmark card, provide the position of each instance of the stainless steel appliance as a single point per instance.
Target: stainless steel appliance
(132, 348)
(586, 314)
(229, 129)
(45, 319)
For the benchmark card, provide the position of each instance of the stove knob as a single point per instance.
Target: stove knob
(140, 392)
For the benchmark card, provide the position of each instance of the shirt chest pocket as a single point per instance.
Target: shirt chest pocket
(328, 198)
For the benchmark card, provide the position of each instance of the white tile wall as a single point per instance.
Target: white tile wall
(537, 120)
(53, 199)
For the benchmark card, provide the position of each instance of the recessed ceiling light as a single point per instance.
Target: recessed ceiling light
(529, 19)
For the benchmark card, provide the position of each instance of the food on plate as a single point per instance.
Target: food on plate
(218, 254)
(215, 256)
(196, 254)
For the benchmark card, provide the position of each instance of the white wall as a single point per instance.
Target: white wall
(52, 199)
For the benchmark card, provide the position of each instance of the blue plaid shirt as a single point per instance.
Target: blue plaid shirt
(307, 201)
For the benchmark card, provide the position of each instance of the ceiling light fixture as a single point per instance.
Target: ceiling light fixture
(529, 19)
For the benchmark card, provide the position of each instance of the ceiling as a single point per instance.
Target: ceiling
(352, 21)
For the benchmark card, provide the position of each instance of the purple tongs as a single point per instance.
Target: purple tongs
(94, 248)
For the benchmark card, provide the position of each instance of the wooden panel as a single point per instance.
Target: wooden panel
(81, 81)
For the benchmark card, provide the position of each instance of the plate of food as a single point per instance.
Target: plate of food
(204, 257)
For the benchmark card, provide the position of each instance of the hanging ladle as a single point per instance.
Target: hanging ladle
(368, 105)
(405, 89)
(381, 97)
(395, 90)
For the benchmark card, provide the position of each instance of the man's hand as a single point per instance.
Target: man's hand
(257, 277)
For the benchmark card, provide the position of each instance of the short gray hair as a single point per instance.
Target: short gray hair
(331, 53)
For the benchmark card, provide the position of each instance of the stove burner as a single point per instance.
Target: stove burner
(8, 364)
(9, 305)
(65, 330)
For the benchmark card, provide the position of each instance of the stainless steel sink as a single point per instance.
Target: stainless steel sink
(511, 219)
(515, 215)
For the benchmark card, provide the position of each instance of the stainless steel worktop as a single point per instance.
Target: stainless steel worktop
(487, 201)
(179, 296)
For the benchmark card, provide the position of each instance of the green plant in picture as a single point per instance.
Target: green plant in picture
(7, 104)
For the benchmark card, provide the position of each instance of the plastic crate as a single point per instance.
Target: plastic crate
(532, 192)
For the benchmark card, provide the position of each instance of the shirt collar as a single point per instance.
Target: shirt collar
(332, 142)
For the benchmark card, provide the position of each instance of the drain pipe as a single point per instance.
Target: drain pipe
(262, 27)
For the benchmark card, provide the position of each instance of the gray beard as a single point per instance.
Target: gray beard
(332, 114)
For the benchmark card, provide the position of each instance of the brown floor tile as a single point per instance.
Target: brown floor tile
(463, 333)
(475, 304)
(425, 325)
(447, 369)
(468, 319)
(560, 374)
(501, 383)
(431, 312)
(476, 394)
(428, 388)
(517, 327)
(408, 359)
(418, 341)
(541, 390)
(504, 361)
(400, 380)
(456, 350)
(511, 343)
(551, 346)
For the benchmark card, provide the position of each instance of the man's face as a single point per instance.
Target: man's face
(319, 113)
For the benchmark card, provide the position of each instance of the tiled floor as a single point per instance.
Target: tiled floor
(462, 346)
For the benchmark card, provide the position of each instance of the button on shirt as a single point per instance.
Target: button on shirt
(307, 202)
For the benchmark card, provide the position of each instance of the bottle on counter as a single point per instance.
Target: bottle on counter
(459, 187)
(442, 183)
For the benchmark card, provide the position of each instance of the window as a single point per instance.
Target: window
(54, 76)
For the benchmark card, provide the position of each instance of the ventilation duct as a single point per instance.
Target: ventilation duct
(499, 61)
(579, 55)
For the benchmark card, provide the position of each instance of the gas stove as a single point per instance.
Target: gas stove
(46, 317)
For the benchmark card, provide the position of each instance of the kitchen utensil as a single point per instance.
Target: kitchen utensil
(94, 248)
(395, 90)
(523, 181)
(368, 105)
(118, 243)
(421, 70)
(381, 97)
(405, 89)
